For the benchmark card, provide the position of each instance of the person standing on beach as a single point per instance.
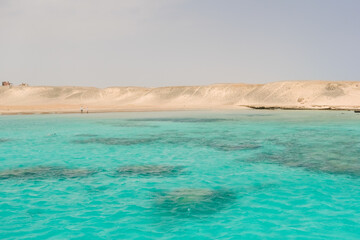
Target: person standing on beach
(81, 109)
(87, 109)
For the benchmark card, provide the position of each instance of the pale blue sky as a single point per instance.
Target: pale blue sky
(178, 42)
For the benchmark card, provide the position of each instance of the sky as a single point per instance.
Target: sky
(153, 43)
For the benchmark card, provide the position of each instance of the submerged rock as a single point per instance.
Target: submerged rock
(258, 115)
(43, 172)
(182, 120)
(2, 140)
(150, 170)
(194, 202)
(318, 162)
(131, 124)
(233, 147)
(114, 141)
(86, 135)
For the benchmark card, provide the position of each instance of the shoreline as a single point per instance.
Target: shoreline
(32, 110)
(15, 110)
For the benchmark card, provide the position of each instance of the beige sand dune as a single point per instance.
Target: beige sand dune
(286, 95)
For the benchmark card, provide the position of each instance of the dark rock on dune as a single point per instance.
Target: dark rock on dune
(44, 172)
(150, 170)
(194, 202)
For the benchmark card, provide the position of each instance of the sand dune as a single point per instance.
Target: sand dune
(288, 94)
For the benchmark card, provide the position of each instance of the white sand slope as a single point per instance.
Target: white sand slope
(289, 94)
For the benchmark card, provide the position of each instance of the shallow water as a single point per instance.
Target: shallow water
(181, 175)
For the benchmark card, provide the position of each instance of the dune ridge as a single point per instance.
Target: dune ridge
(283, 95)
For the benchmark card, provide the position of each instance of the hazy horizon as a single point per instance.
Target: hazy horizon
(177, 42)
(180, 85)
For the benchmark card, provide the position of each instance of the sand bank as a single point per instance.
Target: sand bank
(278, 95)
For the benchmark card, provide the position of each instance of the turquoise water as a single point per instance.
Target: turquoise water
(181, 175)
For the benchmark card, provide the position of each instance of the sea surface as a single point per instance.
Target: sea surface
(181, 175)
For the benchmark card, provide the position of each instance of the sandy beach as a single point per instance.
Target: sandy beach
(327, 95)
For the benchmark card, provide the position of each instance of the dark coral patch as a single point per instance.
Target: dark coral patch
(182, 120)
(115, 141)
(44, 172)
(194, 202)
(317, 163)
(86, 135)
(234, 147)
(150, 170)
